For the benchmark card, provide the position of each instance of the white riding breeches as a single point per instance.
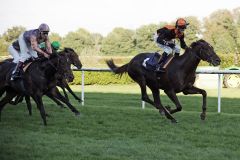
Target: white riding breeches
(170, 50)
(25, 53)
(166, 48)
(14, 53)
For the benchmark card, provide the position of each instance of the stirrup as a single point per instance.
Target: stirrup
(160, 70)
(15, 76)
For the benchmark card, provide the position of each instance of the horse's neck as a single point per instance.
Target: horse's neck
(189, 61)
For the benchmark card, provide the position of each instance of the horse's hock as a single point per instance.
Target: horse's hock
(207, 81)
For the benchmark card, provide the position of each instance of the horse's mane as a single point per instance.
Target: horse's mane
(66, 49)
(194, 44)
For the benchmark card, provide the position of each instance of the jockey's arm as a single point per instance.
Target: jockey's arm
(35, 47)
(182, 43)
(48, 46)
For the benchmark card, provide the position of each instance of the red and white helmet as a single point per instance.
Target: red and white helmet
(181, 23)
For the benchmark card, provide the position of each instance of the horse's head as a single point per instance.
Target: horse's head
(73, 57)
(59, 64)
(204, 51)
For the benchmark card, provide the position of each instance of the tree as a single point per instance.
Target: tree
(119, 42)
(193, 30)
(3, 47)
(13, 33)
(81, 41)
(97, 42)
(144, 38)
(220, 31)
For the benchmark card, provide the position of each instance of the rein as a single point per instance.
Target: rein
(200, 53)
(51, 64)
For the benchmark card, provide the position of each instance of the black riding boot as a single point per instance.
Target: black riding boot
(17, 71)
(177, 54)
(161, 63)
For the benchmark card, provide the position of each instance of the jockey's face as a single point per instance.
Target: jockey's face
(181, 30)
(44, 35)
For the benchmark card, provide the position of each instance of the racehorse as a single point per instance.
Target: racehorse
(39, 79)
(179, 77)
(72, 58)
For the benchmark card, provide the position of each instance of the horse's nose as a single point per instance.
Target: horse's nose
(80, 66)
(217, 61)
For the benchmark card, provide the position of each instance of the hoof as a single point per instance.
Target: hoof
(174, 121)
(162, 113)
(77, 113)
(80, 101)
(202, 116)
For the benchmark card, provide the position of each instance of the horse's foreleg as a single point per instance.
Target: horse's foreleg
(50, 95)
(55, 93)
(65, 93)
(159, 105)
(172, 95)
(38, 100)
(74, 95)
(195, 90)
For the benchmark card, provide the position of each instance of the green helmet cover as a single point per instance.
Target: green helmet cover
(56, 45)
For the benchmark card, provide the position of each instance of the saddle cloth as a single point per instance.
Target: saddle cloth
(151, 63)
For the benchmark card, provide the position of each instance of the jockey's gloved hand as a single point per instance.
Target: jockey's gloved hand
(171, 45)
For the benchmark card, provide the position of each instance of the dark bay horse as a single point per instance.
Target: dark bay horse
(179, 77)
(39, 79)
(62, 80)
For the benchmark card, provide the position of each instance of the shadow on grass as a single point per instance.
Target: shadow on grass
(189, 103)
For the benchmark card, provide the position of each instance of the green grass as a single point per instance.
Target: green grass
(112, 126)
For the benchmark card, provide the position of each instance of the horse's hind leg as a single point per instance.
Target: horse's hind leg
(142, 83)
(38, 100)
(2, 91)
(195, 90)
(8, 97)
(172, 95)
(29, 106)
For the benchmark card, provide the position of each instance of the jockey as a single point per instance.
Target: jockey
(165, 39)
(27, 46)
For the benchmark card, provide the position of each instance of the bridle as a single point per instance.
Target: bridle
(199, 55)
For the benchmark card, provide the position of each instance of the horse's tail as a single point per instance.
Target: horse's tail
(117, 70)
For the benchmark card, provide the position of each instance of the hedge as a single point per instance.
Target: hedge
(102, 78)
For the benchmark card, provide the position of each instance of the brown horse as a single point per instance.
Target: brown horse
(179, 77)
